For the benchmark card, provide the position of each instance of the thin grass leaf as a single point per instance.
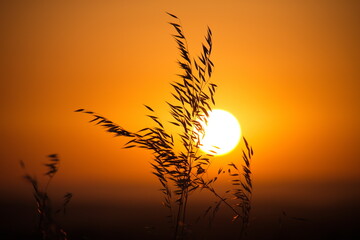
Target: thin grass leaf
(172, 15)
(149, 108)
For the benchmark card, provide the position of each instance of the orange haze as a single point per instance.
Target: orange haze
(288, 70)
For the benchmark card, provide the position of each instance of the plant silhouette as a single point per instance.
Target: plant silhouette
(182, 172)
(48, 228)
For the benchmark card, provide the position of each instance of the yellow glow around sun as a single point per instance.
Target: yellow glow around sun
(222, 133)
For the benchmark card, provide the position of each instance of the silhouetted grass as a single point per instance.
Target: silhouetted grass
(48, 228)
(182, 172)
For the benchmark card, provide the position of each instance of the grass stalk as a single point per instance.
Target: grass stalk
(48, 228)
(180, 172)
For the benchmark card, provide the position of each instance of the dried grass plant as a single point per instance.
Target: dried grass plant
(182, 172)
(48, 228)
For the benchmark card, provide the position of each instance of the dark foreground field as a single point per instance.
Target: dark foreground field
(111, 221)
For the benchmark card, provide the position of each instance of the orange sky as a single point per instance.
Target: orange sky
(288, 70)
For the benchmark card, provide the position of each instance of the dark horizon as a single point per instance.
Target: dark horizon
(100, 221)
(109, 216)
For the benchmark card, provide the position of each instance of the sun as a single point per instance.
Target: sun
(222, 133)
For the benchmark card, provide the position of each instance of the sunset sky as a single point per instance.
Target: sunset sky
(288, 70)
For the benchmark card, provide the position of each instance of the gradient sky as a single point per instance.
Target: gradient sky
(288, 70)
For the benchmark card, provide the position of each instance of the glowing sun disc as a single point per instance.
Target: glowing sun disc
(222, 133)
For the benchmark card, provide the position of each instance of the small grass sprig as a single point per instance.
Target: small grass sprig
(242, 187)
(48, 228)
